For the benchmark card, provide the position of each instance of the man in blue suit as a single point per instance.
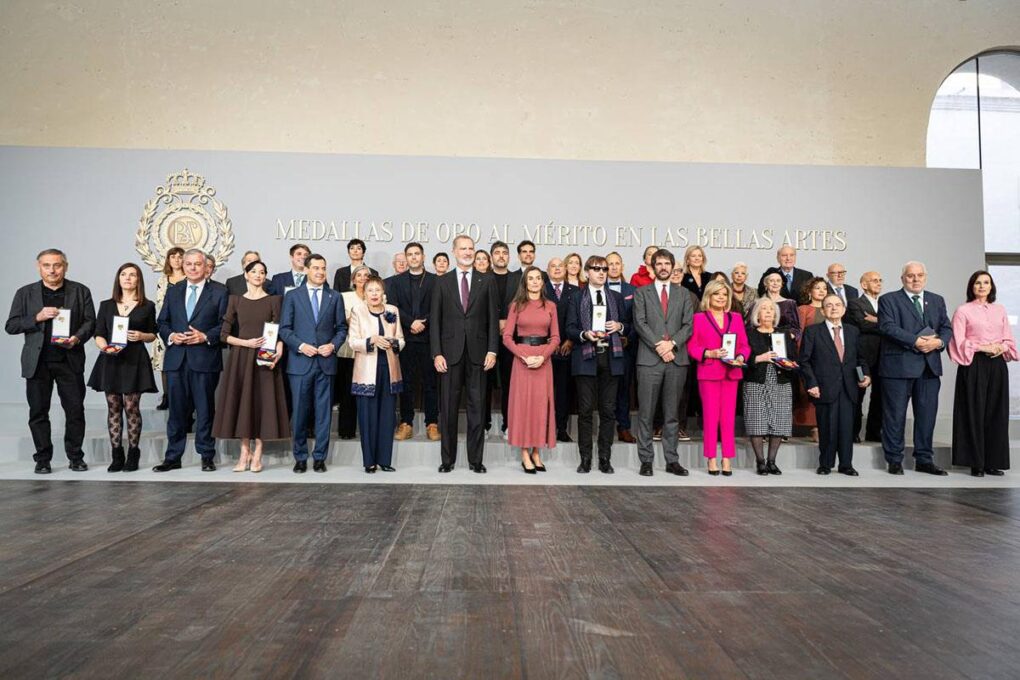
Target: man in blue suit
(282, 282)
(597, 360)
(313, 325)
(915, 330)
(189, 324)
(618, 284)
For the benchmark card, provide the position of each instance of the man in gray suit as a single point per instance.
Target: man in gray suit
(663, 315)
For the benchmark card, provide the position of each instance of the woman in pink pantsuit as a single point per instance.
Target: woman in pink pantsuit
(531, 334)
(717, 380)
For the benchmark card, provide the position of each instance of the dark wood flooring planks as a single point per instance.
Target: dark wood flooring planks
(112, 580)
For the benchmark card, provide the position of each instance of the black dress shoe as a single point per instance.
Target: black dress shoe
(994, 472)
(164, 404)
(848, 471)
(301, 466)
(77, 465)
(760, 467)
(529, 470)
(930, 468)
(387, 468)
(370, 469)
(646, 469)
(714, 473)
(319, 466)
(677, 469)
(895, 468)
(822, 470)
(117, 463)
(445, 468)
(977, 472)
(585, 465)
(857, 440)
(478, 468)
(772, 468)
(43, 468)
(563, 437)
(605, 467)
(167, 465)
(208, 465)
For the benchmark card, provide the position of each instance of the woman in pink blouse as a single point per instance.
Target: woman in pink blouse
(718, 380)
(982, 344)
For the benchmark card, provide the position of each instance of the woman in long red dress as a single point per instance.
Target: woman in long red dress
(531, 334)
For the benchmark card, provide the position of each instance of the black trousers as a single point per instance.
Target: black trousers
(71, 390)
(596, 391)
(463, 376)
(418, 372)
(563, 389)
(505, 366)
(835, 432)
(981, 414)
(873, 427)
(347, 406)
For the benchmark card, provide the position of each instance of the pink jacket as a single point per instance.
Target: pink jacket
(362, 326)
(707, 335)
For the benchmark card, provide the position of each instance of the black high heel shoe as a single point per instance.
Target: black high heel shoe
(538, 468)
(370, 469)
(530, 471)
(760, 467)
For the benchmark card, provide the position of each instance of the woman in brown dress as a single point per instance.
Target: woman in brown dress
(252, 404)
(809, 313)
(531, 334)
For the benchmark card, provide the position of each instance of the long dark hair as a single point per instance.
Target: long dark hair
(176, 250)
(805, 290)
(973, 279)
(118, 292)
(521, 296)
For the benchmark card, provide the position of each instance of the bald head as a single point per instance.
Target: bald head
(556, 270)
(871, 283)
(836, 274)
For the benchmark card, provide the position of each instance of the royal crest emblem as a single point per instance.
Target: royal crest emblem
(185, 213)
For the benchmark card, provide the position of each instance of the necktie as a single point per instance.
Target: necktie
(192, 299)
(664, 299)
(839, 292)
(315, 304)
(464, 291)
(559, 290)
(917, 306)
(598, 298)
(838, 340)
(789, 282)
(299, 279)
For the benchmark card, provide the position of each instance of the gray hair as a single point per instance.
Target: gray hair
(913, 263)
(193, 251)
(756, 311)
(461, 237)
(354, 272)
(52, 251)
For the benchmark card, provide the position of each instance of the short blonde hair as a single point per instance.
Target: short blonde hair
(691, 249)
(712, 288)
(756, 311)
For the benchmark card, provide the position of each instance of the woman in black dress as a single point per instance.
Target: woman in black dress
(124, 370)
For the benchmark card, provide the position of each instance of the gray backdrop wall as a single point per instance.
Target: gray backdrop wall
(88, 202)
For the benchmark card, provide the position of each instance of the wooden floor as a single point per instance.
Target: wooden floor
(185, 580)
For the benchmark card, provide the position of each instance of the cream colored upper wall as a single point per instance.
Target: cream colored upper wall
(783, 81)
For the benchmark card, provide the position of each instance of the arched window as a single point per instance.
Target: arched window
(975, 123)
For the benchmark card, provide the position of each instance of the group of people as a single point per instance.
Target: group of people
(801, 350)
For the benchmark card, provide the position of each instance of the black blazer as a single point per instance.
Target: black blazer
(237, 285)
(342, 279)
(513, 281)
(400, 293)
(821, 367)
(800, 277)
(27, 303)
(871, 338)
(762, 343)
(850, 292)
(562, 305)
(454, 332)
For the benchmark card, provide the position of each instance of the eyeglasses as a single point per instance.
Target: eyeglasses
(840, 272)
(596, 268)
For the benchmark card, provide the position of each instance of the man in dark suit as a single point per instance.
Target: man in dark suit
(189, 324)
(829, 361)
(500, 255)
(835, 281)
(238, 285)
(618, 284)
(559, 291)
(597, 360)
(47, 361)
(915, 330)
(342, 278)
(464, 337)
(411, 292)
(313, 325)
(210, 269)
(663, 314)
(793, 278)
(863, 313)
(284, 281)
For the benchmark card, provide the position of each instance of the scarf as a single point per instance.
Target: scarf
(612, 314)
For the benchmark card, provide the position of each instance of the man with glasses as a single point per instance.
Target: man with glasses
(863, 313)
(595, 325)
(835, 279)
